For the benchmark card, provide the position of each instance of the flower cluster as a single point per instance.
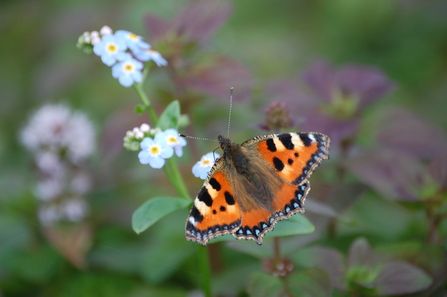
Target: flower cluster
(134, 137)
(124, 51)
(156, 145)
(60, 140)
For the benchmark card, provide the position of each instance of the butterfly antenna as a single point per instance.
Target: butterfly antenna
(197, 138)
(229, 114)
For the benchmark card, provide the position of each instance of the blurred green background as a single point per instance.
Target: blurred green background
(274, 40)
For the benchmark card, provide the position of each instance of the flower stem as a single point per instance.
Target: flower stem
(142, 94)
(205, 270)
(177, 179)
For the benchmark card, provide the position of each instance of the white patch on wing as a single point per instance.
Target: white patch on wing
(311, 136)
(201, 206)
(296, 140)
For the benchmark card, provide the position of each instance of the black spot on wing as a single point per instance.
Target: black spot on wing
(279, 165)
(205, 197)
(229, 198)
(305, 139)
(290, 161)
(215, 184)
(195, 213)
(271, 145)
(222, 208)
(286, 139)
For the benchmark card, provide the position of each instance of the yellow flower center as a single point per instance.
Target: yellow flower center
(133, 36)
(206, 162)
(155, 150)
(172, 139)
(128, 67)
(112, 48)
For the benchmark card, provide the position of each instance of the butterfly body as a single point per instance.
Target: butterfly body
(255, 184)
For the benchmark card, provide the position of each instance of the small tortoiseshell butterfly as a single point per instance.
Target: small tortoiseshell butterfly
(255, 184)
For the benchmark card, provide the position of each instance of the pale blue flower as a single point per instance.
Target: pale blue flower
(128, 71)
(148, 55)
(175, 141)
(203, 167)
(133, 41)
(155, 151)
(110, 49)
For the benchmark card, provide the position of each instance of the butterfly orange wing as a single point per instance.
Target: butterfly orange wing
(215, 210)
(293, 156)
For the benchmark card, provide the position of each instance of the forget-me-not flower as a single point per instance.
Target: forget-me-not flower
(110, 49)
(155, 151)
(128, 71)
(201, 168)
(175, 141)
(148, 55)
(132, 40)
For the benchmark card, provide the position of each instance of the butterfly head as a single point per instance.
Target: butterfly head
(224, 142)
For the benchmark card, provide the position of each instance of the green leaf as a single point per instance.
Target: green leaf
(140, 108)
(310, 283)
(170, 116)
(183, 120)
(261, 284)
(306, 283)
(155, 209)
(297, 224)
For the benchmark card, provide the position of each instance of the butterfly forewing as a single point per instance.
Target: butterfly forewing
(293, 156)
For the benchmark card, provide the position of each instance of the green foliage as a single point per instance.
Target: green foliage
(170, 116)
(386, 237)
(155, 209)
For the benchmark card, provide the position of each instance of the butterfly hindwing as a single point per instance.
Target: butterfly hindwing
(215, 210)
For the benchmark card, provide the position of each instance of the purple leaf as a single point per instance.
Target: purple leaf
(321, 208)
(336, 129)
(201, 18)
(157, 26)
(397, 278)
(361, 254)
(297, 102)
(405, 131)
(327, 259)
(319, 77)
(216, 79)
(390, 173)
(438, 170)
(366, 83)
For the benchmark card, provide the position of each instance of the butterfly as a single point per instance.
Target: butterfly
(255, 184)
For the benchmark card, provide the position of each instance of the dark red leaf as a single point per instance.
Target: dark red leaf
(361, 254)
(336, 129)
(319, 77)
(327, 259)
(366, 83)
(397, 278)
(406, 131)
(201, 18)
(157, 26)
(217, 77)
(438, 170)
(392, 174)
